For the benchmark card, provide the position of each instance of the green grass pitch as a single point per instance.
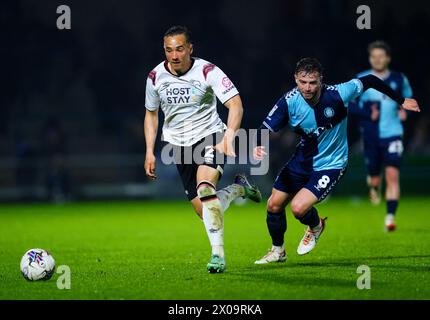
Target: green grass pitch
(159, 250)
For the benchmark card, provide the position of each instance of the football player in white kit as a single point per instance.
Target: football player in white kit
(186, 89)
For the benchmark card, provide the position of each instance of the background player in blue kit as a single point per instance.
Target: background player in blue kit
(318, 113)
(380, 120)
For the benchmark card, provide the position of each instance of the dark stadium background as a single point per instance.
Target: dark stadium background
(72, 101)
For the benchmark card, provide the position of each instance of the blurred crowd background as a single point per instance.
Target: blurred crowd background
(72, 101)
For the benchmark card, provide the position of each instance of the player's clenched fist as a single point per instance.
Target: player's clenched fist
(226, 145)
(150, 166)
(411, 104)
(259, 153)
(374, 115)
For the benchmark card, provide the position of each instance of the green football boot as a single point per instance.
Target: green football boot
(251, 191)
(216, 265)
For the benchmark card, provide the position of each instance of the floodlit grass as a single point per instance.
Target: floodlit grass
(159, 250)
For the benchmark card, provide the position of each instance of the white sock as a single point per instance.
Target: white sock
(228, 194)
(277, 248)
(213, 219)
(218, 250)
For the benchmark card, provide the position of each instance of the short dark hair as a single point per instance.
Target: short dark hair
(309, 65)
(175, 30)
(379, 44)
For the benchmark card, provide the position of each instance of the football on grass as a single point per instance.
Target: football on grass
(37, 264)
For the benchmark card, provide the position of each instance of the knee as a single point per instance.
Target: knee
(273, 206)
(298, 208)
(391, 176)
(206, 190)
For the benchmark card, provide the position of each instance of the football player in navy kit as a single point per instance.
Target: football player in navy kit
(318, 113)
(380, 121)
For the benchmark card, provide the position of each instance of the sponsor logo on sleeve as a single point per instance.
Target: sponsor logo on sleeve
(226, 82)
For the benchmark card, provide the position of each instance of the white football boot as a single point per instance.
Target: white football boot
(374, 196)
(310, 239)
(390, 224)
(274, 255)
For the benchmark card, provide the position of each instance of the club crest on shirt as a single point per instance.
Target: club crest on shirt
(329, 112)
(164, 86)
(195, 83)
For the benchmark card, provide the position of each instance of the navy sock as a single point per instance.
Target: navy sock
(310, 218)
(392, 206)
(277, 225)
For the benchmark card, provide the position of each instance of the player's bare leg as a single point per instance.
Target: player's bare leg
(277, 225)
(374, 183)
(303, 209)
(197, 205)
(213, 215)
(240, 188)
(392, 196)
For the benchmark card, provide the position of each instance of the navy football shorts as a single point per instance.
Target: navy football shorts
(382, 152)
(320, 183)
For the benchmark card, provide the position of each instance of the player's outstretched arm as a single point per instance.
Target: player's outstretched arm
(371, 81)
(150, 131)
(276, 119)
(235, 113)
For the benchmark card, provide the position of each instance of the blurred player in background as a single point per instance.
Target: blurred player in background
(317, 112)
(186, 88)
(380, 120)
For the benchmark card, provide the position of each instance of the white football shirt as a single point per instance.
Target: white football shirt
(189, 101)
